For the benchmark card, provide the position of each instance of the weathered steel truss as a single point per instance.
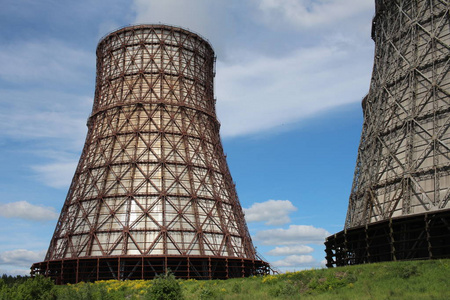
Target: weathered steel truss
(152, 189)
(402, 175)
(403, 164)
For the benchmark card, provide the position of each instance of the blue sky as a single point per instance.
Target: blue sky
(290, 78)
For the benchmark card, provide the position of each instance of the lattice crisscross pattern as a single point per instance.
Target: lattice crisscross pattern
(403, 164)
(152, 179)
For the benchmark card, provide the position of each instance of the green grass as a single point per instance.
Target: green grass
(393, 280)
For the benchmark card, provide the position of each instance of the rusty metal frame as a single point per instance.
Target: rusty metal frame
(90, 269)
(152, 184)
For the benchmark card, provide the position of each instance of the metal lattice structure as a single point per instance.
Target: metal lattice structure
(152, 189)
(403, 164)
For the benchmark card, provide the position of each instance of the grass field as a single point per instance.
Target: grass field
(393, 280)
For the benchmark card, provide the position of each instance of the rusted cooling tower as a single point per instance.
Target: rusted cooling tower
(399, 204)
(152, 190)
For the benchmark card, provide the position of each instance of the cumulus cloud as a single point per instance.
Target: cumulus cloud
(21, 257)
(295, 234)
(290, 250)
(267, 92)
(27, 211)
(272, 212)
(260, 86)
(295, 261)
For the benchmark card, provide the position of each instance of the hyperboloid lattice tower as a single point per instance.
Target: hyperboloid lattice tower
(152, 190)
(399, 205)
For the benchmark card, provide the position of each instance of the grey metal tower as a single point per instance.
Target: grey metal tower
(400, 196)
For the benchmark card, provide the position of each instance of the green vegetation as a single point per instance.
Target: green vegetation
(26, 288)
(394, 280)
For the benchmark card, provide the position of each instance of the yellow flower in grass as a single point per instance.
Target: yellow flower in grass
(269, 278)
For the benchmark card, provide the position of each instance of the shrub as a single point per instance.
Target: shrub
(165, 287)
(10, 280)
(87, 291)
(30, 289)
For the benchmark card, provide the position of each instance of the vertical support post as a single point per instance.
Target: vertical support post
(165, 265)
(77, 269)
(227, 268)
(46, 268)
(392, 240)
(188, 268)
(427, 230)
(118, 269)
(209, 268)
(345, 247)
(142, 268)
(98, 267)
(366, 229)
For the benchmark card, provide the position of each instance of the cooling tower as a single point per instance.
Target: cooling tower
(152, 190)
(399, 203)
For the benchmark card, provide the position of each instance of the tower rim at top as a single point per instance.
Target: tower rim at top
(131, 27)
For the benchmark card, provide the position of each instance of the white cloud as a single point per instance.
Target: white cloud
(312, 13)
(16, 272)
(21, 257)
(260, 92)
(53, 124)
(272, 212)
(294, 261)
(269, 77)
(209, 19)
(51, 106)
(192, 14)
(27, 211)
(44, 114)
(56, 174)
(260, 89)
(295, 234)
(290, 250)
